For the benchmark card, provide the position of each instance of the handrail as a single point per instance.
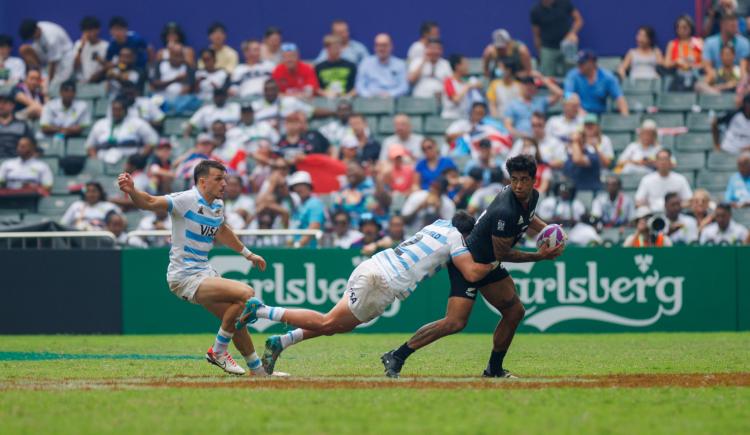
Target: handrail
(318, 234)
(55, 234)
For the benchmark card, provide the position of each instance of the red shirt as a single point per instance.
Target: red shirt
(304, 77)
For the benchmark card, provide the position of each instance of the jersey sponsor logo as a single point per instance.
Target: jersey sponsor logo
(520, 220)
(501, 225)
(207, 230)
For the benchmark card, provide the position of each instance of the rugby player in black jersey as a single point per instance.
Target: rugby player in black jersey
(497, 230)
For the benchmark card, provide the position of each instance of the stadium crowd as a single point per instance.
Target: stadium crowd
(649, 150)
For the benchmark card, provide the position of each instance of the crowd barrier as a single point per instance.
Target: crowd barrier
(585, 290)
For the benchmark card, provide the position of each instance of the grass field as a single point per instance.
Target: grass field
(620, 383)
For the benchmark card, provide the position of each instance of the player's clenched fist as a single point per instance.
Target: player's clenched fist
(125, 181)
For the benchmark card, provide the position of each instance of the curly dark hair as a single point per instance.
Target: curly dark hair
(521, 163)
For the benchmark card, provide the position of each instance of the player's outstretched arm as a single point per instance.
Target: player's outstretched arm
(504, 251)
(142, 200)
(228, 238)
(470, 269)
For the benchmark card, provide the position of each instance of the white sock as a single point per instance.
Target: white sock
(291, 338)
(273, 313)
(253, 362)
(222, 342)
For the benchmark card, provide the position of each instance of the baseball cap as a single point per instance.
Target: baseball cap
(396, 150)
(500, 38)
(246, 106)
(591, 118)
(485, 143)
(527, 80)
(642, 212)
(5, 96)
(288, 46)
(299, 177)
(585, 56)
(164, 143)
(649, 124)
(476, 173)
(205, 137)
(349, 142)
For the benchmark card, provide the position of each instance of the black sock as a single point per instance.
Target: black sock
(403, 352)
(496, 362)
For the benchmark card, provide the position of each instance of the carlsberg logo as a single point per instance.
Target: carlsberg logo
(559, 298)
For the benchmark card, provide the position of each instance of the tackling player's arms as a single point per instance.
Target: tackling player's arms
(142, 200)
(503, 248)
(470, 269)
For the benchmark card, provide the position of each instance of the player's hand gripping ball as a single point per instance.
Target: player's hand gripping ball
(552, 235)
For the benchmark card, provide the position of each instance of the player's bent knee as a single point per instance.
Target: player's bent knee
(453, 326)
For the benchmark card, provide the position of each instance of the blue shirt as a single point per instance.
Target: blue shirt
(427, 175)
(355, 211)
(738, 189)
(519, 111)
(354, 52)
(135, 42)
(309, 212)
(712, 49)
(593, 95)
(375, 78)
(585, 177)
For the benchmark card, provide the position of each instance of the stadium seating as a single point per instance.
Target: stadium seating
(676, 102)
(374, 106)
(612, 122)
(720, 161)
(55, 206)
(417, 106)
(694, 142)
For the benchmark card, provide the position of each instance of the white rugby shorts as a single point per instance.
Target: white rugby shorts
(368, 292)
(185, 288)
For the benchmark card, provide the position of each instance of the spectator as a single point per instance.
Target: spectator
(457, 90)
(220, 110)
(209, 77)
(467, 185)
(643, 60)
(90, 51)
(356, 196)
(310, 214)
(394, 236)
(232, 153)
(335, 75)
(584, 165)
(174, 81)
(729, 35)
(431, 166)
(681, 228)
(298, 140)
(337, 129)
(593, 137)
(274, 108)
(425, 206)
(266, 220)
(251, 134)
(226, 56)
(555, 25)
(538, 141)
(738, 188)
(428, 30)
(723, 230)
(173, 35)
(124, 70)
(12, 69)
(723, 79)
(368, 149)
(403, 135)
(11, 128)
(159, 169)
(353, 51)
(503, 89)
(518, 112)
(156, 221)
(248, 78)
(715, 15)
(743, 87)
(26, 171)
(29, 95)
(563, 208)
(238, 206)
(505, 49)
(119, 136)
(736, 138)
(528, 146)
(141, 107)
(51, 48)
(382, 75)
(343, 236)
(645, 235)
(135, 165)
(639, 157)
(295, 78)
(65, 116)
(426, 74)
(702, 208)
(89, 214)
(184, 165)
(594, 85)
(654, 186)
(465, 135)
(371, 232)
(123, 37)
(613, 208)
(398, 174)
(571, 119)
(485, 161)
(271, 49)
(117, 224)
(683, 56)
(482, 198)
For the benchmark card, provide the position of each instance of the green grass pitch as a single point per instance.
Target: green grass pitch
(160, 384)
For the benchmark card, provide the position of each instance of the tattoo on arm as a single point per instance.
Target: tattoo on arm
(504, 251)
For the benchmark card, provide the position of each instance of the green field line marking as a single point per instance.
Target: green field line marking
(46, 356)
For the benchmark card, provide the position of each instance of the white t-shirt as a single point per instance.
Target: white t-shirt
(12, 71)
(503, 94)
(206, 115)
(253, 136)
(737, 136)
(635, 151)
(209, 82)
(606, 147)
(146, 109)
(83, 216)
(279, 109)
(617, 212)
(446, 211)
(653, 187)
(89, 66)
(122, 140)
(347, 240)
(14, 173)
(452, 110)
(54, 44)
(416, 51)
(56, 115)
(562, 128)
(165, 71)
(413, 145)
(552, 207)
(232, 206)
(148, 223)
(689, 231)
(248, 80)
(735, 233)
(431, 77)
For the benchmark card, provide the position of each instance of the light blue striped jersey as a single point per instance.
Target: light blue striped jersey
(420, 256)
(195, 223)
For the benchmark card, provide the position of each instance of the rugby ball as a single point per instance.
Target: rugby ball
(552, 235)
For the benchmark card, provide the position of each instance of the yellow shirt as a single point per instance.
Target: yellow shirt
(226, 58)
